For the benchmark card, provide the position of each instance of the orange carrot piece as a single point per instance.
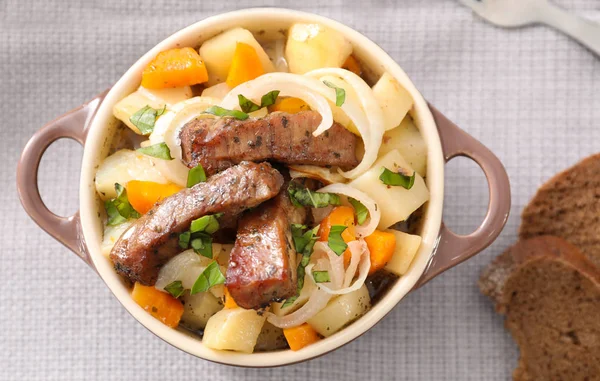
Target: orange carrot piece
(340, 215)
(175, 68)
(352, 64)
(144, 194)
(229, 301)
(159, 304)
(245, 65)
(301, 336)
(289, 105)
(381, 246)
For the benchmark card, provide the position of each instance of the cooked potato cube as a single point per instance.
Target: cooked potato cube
(341, 311)
(198, 308)
(403, 201)
(271, 338)
(395, 100)
(313, 46)
(233, 329)
(143, 97)
(407, 246)
(407, 139)
(112, 235)
(123, 166)
(217, 53)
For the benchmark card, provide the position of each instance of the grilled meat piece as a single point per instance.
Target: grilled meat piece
(262, 264)
(218, 144)
(153, 239)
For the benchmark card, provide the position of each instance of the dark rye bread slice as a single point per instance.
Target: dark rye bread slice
(550, 294)
(568, 206)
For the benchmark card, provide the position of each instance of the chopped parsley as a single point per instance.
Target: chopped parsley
(119, 209)
(397, 179)
(196, 175)
(145, 118)
(211, 276)
(220, 111)
(321, 276)
(175, 288)
(360, 210)
(301, 196)
(268, 99)
(340, 94)
(160, 151)
(335, 240)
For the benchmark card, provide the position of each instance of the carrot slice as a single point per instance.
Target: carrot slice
(352, 64)
(175, 68)
(229, 301)
(245, 65)
(301, 336)
(341, 215)
(289, 105)
(159, 304)
(381, 246)
(143, 195)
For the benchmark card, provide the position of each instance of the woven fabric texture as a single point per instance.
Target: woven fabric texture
(531, 95)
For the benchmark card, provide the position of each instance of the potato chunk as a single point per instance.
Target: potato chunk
(396, 203)
(407, 139)
(198, 308)
(395, 100)
(407, 246)
(313, 46)
(233, 329)
(341, 311)
(157, 99)
(123, 166)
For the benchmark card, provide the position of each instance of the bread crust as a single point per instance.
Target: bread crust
(555, 342)
(568, 206)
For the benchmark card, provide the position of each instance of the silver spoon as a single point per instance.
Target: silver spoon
(516, 13)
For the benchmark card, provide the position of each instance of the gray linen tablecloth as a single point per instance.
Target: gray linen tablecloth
(531, 95)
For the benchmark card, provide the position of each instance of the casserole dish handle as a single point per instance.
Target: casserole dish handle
(72, 125)
(453, 248)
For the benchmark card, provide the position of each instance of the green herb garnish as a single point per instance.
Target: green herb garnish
(321, 276)
(175, 288)
(160, 150)
(211, 276)
(267, 100)
(196, 175)
(184, 240)
(220, 111)
(207, 224)
(303, 243)
(202, 244)
(119, 209)
(335, 240)
(340, 94)
(360, 210)
(397, 179)
(145, 118)
(301, 196)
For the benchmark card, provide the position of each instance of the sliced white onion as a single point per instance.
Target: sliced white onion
(360, 249)
(167, 129)
(317, 301)
(310, 90)
(372, 110)
(323, 174)
(335, 263)
(369, 226)
(353, 266)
